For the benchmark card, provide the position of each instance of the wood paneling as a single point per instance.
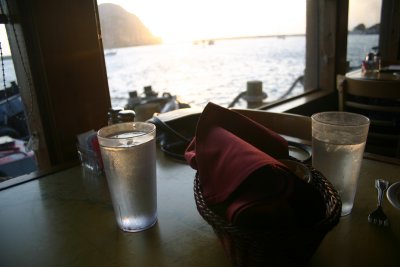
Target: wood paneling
(65, 55)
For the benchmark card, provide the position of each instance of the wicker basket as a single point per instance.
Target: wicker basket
(293, 247)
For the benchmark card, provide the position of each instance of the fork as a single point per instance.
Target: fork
(378, 216)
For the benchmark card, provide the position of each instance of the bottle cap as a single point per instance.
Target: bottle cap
(126, 115)
(112, 115)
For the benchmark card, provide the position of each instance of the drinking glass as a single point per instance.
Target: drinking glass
(128, 151)
(338, 142)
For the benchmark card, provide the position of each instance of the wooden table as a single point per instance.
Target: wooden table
(66, 219)
(373, 75)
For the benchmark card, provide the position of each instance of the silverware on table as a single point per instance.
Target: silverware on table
(378, 216)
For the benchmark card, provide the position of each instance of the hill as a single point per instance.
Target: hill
(120, 28)
(361, 29)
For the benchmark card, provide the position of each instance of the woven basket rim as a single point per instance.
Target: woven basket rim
(332, 199)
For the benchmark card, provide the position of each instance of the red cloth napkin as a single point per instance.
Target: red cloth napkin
(227, 148)
(237, 162)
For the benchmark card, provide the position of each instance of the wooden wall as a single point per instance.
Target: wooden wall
(65, 80)
(389, 39)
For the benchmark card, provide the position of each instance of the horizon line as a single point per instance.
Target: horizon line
(250, 37)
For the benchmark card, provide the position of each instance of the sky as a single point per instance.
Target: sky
(188, 20)
(364, 11)
(198, 19)
(4, 41)
(201, 19)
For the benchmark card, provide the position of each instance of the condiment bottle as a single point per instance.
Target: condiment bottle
(113, 115)
(126, 115)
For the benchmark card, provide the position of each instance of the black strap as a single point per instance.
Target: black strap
(173, 149)
(165, 127)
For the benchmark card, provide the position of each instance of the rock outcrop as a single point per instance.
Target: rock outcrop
(361, 29)
(120, 28)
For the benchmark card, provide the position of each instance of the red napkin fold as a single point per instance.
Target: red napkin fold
(227, 148)
(237, 162)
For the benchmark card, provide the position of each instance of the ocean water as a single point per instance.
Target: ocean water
(198, 74)
(358, 46)
(202, 73)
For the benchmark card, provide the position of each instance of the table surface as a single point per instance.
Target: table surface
(372, 75)
(66, 219)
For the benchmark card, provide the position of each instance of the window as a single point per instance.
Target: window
(65, 81)
(363, 27)
(209, 50)
(15, 159)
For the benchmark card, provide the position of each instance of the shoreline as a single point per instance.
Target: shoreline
(250, 37)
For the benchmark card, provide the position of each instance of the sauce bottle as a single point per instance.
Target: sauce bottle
(126, 115)
(113, 115)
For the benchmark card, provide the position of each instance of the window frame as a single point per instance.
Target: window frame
(60, 68)
(47, 86)
(326, 50)
(45, 29)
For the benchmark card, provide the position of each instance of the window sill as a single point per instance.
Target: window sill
(297, 102)
(32, 176)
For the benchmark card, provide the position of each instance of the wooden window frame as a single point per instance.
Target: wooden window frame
(60, 66)
(58, 58)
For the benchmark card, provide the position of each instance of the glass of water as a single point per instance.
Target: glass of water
(128, 151)
(338, 142)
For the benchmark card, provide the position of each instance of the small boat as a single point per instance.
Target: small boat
(15, 159)
(12, 113)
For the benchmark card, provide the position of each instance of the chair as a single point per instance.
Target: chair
(287, 124)
(296, 129)
(379, 100)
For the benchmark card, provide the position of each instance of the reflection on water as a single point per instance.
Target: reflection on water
(218, 73)
(202, 73)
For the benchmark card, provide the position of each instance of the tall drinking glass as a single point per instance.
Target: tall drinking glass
(128, 151)
(338, 142)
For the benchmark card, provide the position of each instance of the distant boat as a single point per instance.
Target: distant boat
(110, 53)
(204, 42)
